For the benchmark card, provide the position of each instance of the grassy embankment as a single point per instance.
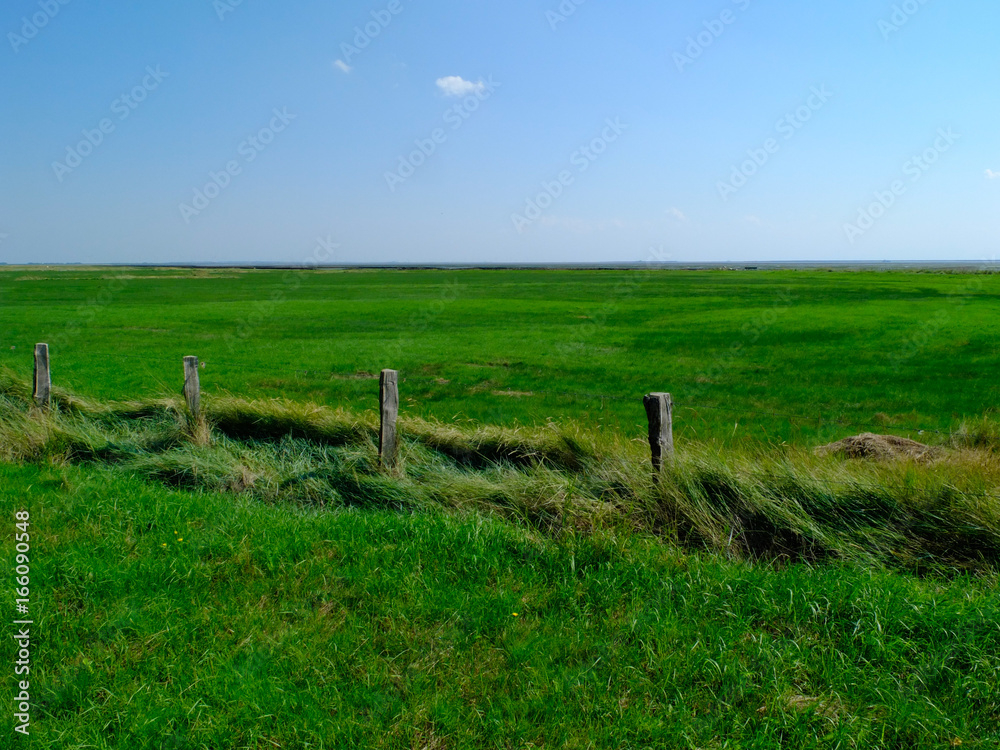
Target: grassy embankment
(758, 501)
(294, 596)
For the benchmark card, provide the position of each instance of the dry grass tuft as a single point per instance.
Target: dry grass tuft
(870, 445)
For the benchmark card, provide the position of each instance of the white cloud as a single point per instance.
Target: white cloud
(458, 86)
(753, 219)
(342, 66)
(991, 174)
(677, 213)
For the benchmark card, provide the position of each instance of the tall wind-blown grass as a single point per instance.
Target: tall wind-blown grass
(755, 502)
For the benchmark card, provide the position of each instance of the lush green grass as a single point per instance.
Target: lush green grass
(194, 620)
(893, 350)
(255, 580)
(755, 502)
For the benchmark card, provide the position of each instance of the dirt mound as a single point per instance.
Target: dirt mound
(870, 445)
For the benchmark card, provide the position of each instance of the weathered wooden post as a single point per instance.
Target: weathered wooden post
(42, 389)
(388, 396)
(192, 388)
(660, 413)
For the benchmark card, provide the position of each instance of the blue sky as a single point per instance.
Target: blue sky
(529, 130)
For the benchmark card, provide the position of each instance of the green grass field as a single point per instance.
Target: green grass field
(894, 351)
(257, 581)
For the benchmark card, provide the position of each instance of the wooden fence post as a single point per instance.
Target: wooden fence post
(42, 389)
(192, 388)
(660, 413)
(388, 396)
